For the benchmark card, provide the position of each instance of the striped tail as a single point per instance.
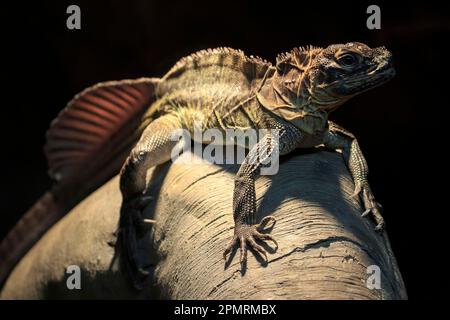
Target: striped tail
(36, 221)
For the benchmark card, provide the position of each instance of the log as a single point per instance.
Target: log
(325, 246)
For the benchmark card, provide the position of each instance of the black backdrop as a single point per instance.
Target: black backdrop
(400, 125)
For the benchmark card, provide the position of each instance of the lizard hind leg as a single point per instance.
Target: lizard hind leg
(154, 148)
(130, 230)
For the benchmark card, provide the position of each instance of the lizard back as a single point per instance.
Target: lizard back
(215, 87)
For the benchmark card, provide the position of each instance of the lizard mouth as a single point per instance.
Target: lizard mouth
(381, 75)
(370, 80)
(385, 68)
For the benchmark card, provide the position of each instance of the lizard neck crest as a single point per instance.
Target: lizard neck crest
(299, 58)
(288, 92)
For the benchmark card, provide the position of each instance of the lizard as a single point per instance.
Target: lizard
(219, 88)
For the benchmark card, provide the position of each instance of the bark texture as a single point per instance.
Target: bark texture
(325, 246)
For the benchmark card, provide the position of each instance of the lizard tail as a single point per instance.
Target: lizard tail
(44, 213)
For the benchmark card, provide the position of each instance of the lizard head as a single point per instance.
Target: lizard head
(327, 77)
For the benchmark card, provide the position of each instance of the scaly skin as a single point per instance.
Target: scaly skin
(223, 88)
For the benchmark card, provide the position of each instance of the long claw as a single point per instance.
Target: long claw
(257, 247)
(243, 257)
(266, 220)
(229, 247)
(379, 206)
(365, 213)
(357, 191)
(265, 236)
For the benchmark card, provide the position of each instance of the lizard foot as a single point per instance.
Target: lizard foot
(245, 235)
(371, 206)
(132, 226)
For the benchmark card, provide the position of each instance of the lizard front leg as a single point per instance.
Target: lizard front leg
(280, 140)
(153, 148)
(339, 138)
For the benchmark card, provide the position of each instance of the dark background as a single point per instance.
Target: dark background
(401, 126)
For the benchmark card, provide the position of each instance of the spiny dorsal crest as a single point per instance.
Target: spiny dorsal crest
(298, 57)
(222, 56)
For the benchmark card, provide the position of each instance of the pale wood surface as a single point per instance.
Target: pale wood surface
(324, 249)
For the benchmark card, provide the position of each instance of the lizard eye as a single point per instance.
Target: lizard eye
(347, 60)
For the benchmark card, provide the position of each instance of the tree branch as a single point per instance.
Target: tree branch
(325, 246)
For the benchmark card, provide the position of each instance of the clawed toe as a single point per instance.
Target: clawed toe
(243, 249)
(264, 222)
(138, 204)
(357, 191)
(365, 213)
(246, 237)
(376, 215)
(372, 208)
(265, 236)
(149, 221)
(229, 247)
(379, 227)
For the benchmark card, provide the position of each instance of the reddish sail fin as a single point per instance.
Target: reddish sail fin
(86, 145)
(93, 124)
